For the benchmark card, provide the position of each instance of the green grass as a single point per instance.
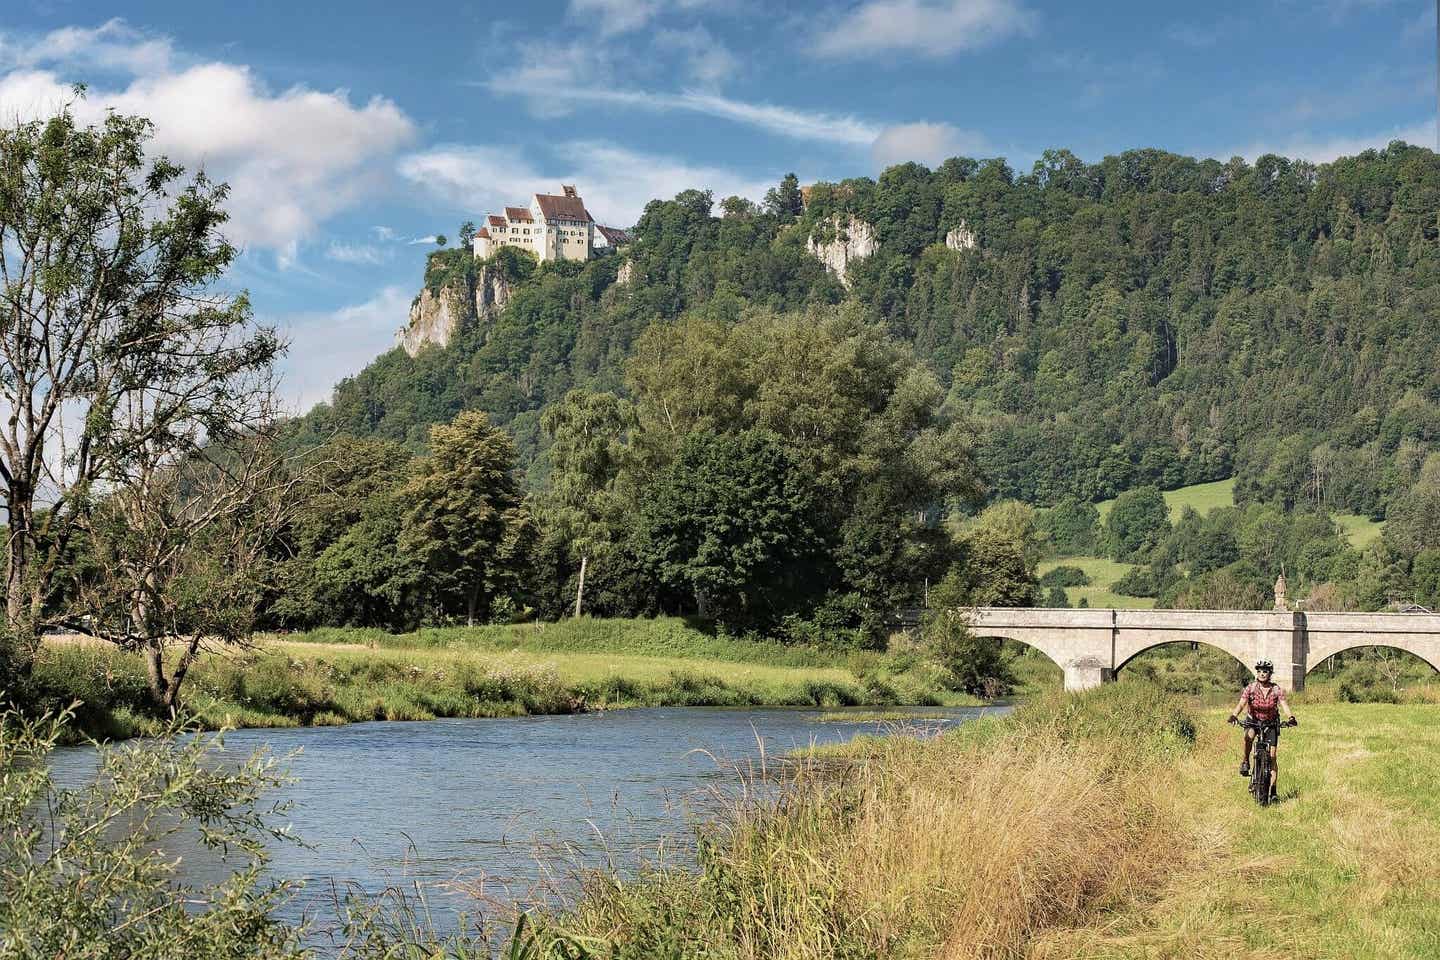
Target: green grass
(1360, 531)
(1102, 573)
(338, 676)
(1344, 868)
(1202, 497)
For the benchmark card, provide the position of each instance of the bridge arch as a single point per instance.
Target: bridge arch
(1332, 633)
(1241, 656)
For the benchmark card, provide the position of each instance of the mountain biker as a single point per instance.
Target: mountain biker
(1262, 700)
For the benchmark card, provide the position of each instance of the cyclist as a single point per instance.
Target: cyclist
(1262, 700)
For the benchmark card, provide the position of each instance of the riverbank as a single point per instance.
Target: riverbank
(340, 676)
(1109, 825)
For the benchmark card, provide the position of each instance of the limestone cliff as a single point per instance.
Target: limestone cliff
(435, 316)
(838, 245)
(962, 237)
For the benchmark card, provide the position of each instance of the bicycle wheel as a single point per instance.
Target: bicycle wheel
(1260, 773)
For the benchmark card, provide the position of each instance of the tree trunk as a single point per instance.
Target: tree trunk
(580, 590)
(177, 677)
(19, 561)
(473, 602)
(155, 669)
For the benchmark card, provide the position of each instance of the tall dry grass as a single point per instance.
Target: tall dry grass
(968, 846)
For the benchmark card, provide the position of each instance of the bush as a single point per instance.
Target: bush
(1139, 582)
(1065, 576)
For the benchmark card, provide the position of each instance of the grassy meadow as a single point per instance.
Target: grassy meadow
(1103, 574)
(1200, 497)
(340, 676)
(1105, 825)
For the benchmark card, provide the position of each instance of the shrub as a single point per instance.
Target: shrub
(1065, 576)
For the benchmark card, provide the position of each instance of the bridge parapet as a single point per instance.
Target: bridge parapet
(1091, 645)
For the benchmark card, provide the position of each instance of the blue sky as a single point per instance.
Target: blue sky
(352, 134)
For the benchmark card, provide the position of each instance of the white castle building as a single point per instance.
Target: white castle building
(552, 227)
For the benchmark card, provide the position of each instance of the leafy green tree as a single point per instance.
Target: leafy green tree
(785, 202)
(584, 505)
(468, 526)
(731, 523)
(974, 664)
(123, 352)
(1413, 523)
(1137, 522)
(1071, 527)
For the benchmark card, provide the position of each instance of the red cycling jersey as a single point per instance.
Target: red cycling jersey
(1263, 700)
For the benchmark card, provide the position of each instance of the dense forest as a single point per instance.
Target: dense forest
(1124, 327)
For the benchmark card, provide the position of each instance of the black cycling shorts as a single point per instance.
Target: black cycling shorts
(1269, 733)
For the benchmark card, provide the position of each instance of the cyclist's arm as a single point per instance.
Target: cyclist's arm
(1285, 705)
(1241, 706)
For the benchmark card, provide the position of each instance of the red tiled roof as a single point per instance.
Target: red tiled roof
(496, 221)
(519, 213)
(562, 208)
(614, 235)
(483, 232)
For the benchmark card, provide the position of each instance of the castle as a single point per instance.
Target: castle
(553, 227)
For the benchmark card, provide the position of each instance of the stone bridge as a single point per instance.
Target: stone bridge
(1091, 645)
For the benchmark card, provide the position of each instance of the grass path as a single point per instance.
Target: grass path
(1346, 867)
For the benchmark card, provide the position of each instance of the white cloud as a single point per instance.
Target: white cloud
(933, 28)
(615, 182)
(1323, 149)
(292, 159)
(114, 45)
(326, 347)
(784, 121)
(704, 57)
(613, 17)
(357, 253)
(927, 143)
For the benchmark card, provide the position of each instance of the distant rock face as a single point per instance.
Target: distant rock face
(492, 292)
(434, 317)
(626, 273)
(962, 238)
(853, 241)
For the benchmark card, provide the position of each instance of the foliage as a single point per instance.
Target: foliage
(1065, 576)
(1137, 522)
(731, 522)
(1070, 527)
(467, 525)
(123, 355)
(85, 869)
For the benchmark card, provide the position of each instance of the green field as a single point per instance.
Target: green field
(1360, 531)
(1102, 574)
(1343, 868)
(338, 676)
(1202, 497)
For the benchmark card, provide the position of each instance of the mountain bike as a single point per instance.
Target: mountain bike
(1260, 786)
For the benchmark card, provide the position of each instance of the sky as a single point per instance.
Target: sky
(351, 135)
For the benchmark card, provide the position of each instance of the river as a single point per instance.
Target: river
(512, 807)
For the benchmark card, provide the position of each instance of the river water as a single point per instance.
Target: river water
(508, 807)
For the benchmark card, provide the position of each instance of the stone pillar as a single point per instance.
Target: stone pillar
(1283, 642)
(1085, 673)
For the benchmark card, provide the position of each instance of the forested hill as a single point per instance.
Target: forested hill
(1149, 318)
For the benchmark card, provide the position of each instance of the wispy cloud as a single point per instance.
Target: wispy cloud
(326, 346)
(615, 181)
(1202, 36)
(1319, 148)
(783, 121)
(932, 28)
(356, 253)
(927, 143)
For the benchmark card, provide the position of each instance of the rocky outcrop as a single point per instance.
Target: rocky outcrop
(626, 273)
(434, 317)
(492, 292)
(840, 244)
(962, 238)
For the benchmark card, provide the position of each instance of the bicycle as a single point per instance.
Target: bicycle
(1260, 787)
